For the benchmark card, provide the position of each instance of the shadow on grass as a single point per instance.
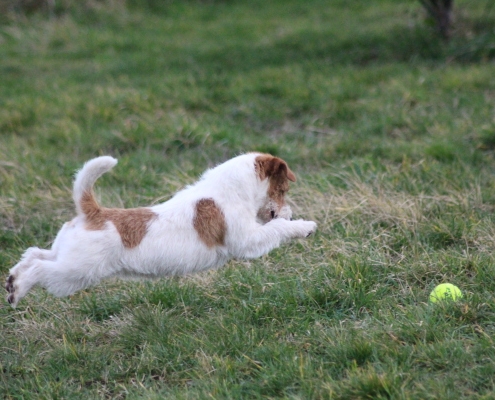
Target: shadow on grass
(315, 47)
(308, 47)
(398, 45)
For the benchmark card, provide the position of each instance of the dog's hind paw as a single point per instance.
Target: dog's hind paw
(11, 299)
(9, 284)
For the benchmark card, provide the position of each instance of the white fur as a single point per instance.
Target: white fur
(80, 257)
(87, 176)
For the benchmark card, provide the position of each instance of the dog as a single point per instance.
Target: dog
(235, 210)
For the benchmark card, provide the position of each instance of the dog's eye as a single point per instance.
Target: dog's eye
(272, 213)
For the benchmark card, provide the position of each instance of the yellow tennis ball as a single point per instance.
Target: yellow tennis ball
(445, 291)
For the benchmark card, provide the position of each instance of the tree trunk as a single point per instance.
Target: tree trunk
(441, 12)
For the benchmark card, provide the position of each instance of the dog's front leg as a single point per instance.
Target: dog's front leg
(261, 239)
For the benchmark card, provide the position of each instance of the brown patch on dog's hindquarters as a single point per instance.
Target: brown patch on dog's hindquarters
(131, 223)
(209, 222)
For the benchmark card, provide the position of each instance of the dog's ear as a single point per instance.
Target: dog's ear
(290, 175)
(282, 169)
(268, 166)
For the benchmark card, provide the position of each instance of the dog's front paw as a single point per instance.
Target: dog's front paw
(305, 228)
(313, 228)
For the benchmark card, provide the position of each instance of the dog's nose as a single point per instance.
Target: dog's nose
(272, 213)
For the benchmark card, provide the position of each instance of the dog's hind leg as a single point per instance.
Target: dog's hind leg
(59, 278)
(30, 256)
(24, 276)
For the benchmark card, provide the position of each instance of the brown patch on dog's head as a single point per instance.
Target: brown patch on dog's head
(209, 222)
(132, 224)
(267, 166)
(279, 174)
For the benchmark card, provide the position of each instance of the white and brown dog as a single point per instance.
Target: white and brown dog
(236, 210)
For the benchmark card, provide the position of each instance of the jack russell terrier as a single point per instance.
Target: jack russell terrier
(235, 210)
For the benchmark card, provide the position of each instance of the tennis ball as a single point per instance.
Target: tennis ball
(445, 291)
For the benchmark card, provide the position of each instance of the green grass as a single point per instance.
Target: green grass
(390, 132)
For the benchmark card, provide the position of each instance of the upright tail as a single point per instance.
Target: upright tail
(86, 178)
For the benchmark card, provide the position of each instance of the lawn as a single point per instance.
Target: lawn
(390, 131)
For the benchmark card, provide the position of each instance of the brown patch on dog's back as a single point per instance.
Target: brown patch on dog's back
(132, 223)
(209, 222)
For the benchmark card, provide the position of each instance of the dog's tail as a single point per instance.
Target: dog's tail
(85, 179)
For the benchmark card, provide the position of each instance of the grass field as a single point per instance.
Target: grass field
(390, 131)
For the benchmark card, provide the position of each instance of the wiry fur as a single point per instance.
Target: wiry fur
(236, 210)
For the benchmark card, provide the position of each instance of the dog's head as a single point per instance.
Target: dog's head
(278, 174)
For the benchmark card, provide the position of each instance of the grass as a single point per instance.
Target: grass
(390, 132)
